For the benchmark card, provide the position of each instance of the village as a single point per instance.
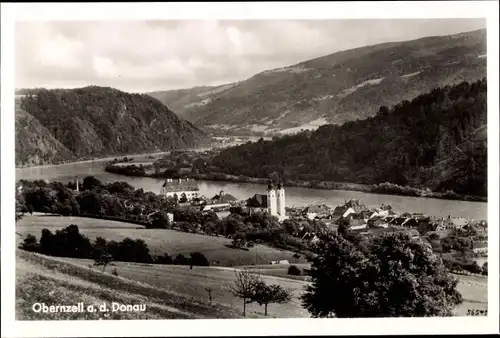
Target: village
(358, 218)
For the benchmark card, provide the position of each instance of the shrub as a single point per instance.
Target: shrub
(294, 271)
(30, 243)
(198, 259)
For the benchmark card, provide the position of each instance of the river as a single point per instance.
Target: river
(298, 197)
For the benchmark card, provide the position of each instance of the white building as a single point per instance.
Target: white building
(180, 188)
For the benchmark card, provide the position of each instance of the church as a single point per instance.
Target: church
(273, 203)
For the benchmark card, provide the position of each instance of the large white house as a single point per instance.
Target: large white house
(182, 189)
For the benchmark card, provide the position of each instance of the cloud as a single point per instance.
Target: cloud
(158, 55)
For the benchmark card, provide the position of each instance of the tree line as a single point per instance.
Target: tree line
(69, 242)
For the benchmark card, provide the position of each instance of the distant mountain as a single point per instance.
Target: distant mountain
(336, 88)
(54, 126)
(436, 141)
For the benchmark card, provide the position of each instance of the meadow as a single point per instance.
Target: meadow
(159, 241)
(168, 291)
(70, 279)
(55, 281)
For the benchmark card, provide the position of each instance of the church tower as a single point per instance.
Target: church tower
(280, 197)
(271, 200)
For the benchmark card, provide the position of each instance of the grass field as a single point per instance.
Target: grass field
(159, 241)
(474, 290)
(54, 281)
(70, 279)
(170, 291)
(279, 270)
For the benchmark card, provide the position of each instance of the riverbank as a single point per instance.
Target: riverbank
(383, 188)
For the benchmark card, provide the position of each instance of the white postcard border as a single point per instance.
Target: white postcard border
(11, 13)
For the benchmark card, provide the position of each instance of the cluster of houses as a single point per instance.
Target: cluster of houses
(361, 219)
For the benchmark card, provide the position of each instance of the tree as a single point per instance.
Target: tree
(30, 243)
(90, 182)
(485, 269)
(294, 270)
(160, 221)
(103, 260)
(238, 241)
(198, 259)
(343, 228)
(397, 277)
(244, 287)
(266, 294)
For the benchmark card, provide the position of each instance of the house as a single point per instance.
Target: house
(280, 262)
(380, 213)
(222, 197)
(480, 247)
(410, 223)
(376, 222)
(220, 201)
(413, 233)
(358, 226)
(181, 189)
(170, 216)
(398, 220)
(317, 211)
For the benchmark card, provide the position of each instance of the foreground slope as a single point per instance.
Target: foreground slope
(56, 281)
(438, 140)
(99, 121)
(336, 88)
(169, 292)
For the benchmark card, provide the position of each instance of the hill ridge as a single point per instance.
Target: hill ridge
(95, 121)
(287, 99)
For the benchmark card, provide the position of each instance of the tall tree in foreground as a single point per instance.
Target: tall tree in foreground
(396, 277)
(244, 287)
(267, 294)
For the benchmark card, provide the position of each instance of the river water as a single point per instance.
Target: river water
(298, 197)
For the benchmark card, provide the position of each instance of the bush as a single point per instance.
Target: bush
(30, 243)
(485, 269)
(294, 271)
(198, 259)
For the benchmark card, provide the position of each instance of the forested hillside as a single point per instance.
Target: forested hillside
(438, 140)
(95, 122)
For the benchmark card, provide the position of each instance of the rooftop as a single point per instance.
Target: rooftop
(171, 185)
(224, 198)
(257, 201)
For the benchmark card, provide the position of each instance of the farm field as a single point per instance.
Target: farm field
(54, 281)
(159, 241)
(278, 270)
(474, 290)
(181, 280)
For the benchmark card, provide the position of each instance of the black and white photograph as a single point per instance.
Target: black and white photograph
(229, 167)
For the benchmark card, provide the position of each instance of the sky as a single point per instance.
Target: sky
(142, 56)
